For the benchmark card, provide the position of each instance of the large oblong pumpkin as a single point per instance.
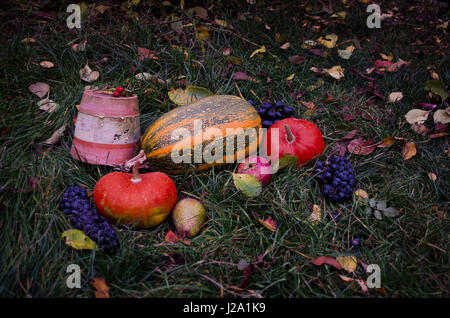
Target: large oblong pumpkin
(227, 123)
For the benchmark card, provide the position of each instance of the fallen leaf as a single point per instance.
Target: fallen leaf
(432, 176)
(347, 53)
(202, 33)
(46, 64)
(309, 105)
(349, 263)
(317, 71)
(409, 150)
(241, 76)
(394, 67)
(360, 282)
(172, 237)
(287, 160)
(149, 77)
(387, 142)
(395, 97)
(336, 72)
(441, 116)
(235, 60)
(144, 53)
(88, 75)
(438, 135)
(316, 215)
(319, 261)
(290, 77)
(328, 41)
(359, 146)
(247, 184)
(226, 51)
(420, 128)
(47, 105)
(339, 15)
(296, 59)
(101, 289)
(78, 240)
(79, 47)
(437, 87)
(425, 105)
(361, 194)
(39, 89)
(285, 46)
(389, 57)
(262, 49)
(28, 40)
(390, 212)
(417, 116)
(317, 52)
(54, 138)
(269, 224)
(189, 95)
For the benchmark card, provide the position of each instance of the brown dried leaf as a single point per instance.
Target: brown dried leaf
(409, 150)
(241, 76)
(296, 59)
(269, 224)
(46, 64)
(359, 146)
(88, 75)
(394, 67)
(285, 46)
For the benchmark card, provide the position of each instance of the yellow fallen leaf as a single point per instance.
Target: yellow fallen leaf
(78, 240)
(361, 194)
(329, 41)
(290, 77)
(316, 215)
(347, 53)
(336, 72)
(409, 150)
(262, 49)
(349, 263)
(387, 57)
(341, 15)
(28, 40)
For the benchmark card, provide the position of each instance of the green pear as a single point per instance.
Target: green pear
(188, 217)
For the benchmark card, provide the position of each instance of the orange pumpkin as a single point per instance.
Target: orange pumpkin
(142, 200)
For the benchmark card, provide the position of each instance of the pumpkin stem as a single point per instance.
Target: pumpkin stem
(289, 134)
(136, 178)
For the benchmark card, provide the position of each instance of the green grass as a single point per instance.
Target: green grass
(412, 250)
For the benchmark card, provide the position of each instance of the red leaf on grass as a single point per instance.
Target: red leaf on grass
(101, 289)
(296, 59)
(144, 53)
(172, 237)
(317, 52)
(241, 76)
(359, 146)
(319, 261)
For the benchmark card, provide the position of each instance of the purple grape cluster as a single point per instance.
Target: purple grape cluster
(76, 205)
(272, 113)
(337, 178)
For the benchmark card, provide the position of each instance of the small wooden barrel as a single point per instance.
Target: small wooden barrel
(107, 129)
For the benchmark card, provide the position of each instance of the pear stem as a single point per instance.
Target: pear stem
(289, 134)
(136, 178)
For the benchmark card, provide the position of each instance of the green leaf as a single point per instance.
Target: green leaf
(78, 240)
(247, 184)
(437, 87)
(189, 95)
(287, 160)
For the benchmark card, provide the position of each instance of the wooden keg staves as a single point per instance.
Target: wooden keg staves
(107, 129)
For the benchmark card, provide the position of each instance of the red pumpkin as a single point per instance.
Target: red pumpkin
(143, 200)
(296, 137)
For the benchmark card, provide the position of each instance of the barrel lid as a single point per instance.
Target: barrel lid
(98, 103)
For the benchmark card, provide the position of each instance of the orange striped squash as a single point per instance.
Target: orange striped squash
(219, 112)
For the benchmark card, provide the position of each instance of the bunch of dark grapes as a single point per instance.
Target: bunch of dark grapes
(273, 113)
(76, 205)
(337, 178)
